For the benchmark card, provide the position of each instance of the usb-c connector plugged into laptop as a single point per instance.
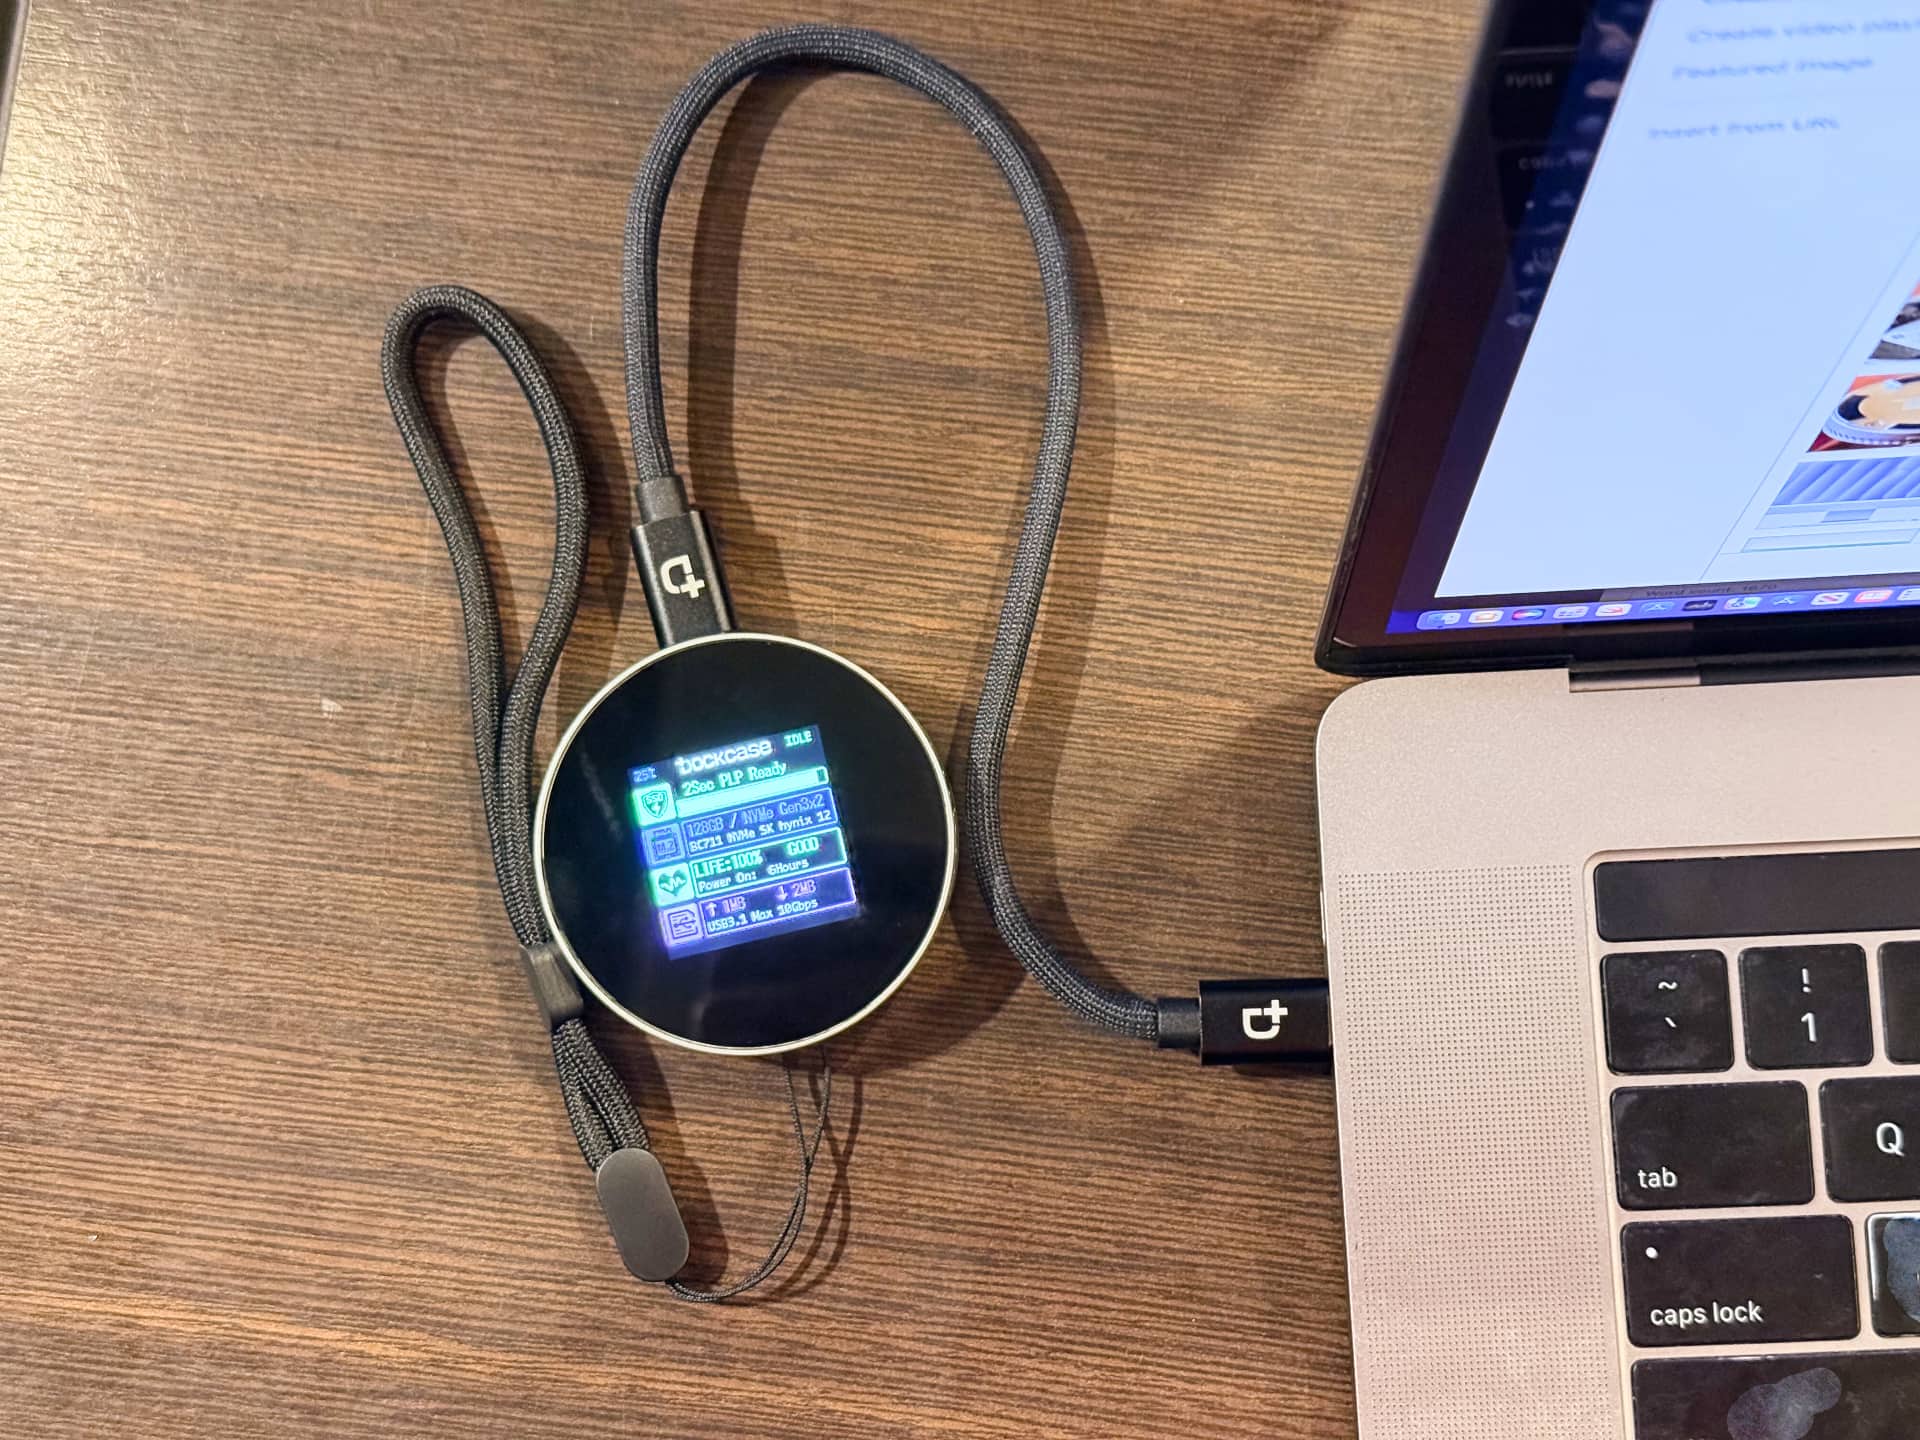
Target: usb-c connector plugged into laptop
(1233, 1022)
(1250, 1022)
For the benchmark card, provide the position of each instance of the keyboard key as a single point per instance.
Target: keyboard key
(1538, 182)
(1806, 1005)
(1531, 27)
(1667, 1012)
(1900, 994)
(1712, 1282)
(1893, 1251)
(1678, 1147)
(1526, 95)
(1846, 1396)
(1873, 1138)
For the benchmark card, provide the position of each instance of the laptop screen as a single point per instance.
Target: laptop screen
(1662, 366)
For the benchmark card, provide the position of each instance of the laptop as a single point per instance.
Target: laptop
(13, 32)
(1621, 830)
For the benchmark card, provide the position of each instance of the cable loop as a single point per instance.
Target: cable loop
(660, 492)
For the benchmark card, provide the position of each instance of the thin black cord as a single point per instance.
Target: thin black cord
(809, 1149)
(598, 1106)
(660, 492)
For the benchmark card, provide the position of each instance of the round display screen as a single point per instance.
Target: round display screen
(744, 843)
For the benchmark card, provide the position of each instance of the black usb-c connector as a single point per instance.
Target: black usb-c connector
(686, 591)
(1250, 1022)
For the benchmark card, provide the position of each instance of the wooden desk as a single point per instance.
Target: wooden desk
(280, 1147)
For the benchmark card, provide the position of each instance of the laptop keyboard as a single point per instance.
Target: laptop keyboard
(1764, 1141)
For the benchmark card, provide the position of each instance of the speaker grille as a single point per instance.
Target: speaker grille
(1476, 1216)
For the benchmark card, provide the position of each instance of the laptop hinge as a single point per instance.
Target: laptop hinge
(1633, 674)
(1741, 669)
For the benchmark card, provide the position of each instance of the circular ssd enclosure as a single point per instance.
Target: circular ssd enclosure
(1884, 411)
(744, 844)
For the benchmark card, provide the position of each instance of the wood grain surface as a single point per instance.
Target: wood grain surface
(280, 1147)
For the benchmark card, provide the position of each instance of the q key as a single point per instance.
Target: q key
(1873, 1138)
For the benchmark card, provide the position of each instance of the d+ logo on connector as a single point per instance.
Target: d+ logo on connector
(678, 577)
(1262, 1022)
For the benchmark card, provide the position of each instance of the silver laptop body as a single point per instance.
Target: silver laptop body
(1620, 831)
(1462, 817)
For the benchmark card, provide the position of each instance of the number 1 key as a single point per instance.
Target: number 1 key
(1806, 1005)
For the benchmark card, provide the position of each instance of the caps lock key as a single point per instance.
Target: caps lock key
(1710, 1282)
